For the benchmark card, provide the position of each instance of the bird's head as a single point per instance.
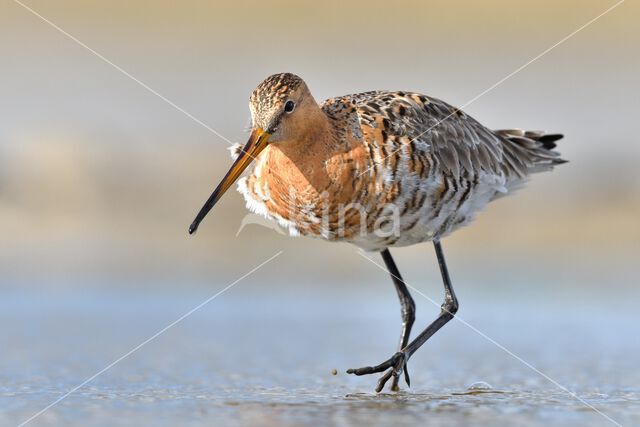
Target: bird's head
(280, 105)
(282, 110)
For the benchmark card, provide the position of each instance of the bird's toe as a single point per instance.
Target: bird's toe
(392, 368)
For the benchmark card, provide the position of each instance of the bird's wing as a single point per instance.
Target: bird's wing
(451, 138)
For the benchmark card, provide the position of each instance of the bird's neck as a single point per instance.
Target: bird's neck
(299, 162)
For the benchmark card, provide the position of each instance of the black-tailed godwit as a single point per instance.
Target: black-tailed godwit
(377, 169)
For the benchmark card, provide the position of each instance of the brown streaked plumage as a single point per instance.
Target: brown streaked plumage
(377, 169)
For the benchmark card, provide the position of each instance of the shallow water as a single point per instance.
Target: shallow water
(247, 359)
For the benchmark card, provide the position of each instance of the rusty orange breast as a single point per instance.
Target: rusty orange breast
(309, 183)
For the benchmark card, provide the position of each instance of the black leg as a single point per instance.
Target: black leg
(397, 363)
(407, 307)
(447, 310)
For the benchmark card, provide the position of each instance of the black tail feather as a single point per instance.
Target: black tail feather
(549, 140)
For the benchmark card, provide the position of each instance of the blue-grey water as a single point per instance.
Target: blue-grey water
(266, 358)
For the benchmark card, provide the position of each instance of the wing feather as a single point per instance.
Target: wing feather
(452, 139)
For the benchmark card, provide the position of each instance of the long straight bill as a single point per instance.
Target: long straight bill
(257, 142)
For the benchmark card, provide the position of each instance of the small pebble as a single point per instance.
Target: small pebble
(334, 372)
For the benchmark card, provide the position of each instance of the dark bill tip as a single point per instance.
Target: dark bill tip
(192, 228)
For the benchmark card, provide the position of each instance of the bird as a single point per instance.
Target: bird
(380, 170)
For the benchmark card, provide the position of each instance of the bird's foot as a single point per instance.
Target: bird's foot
(394, 366)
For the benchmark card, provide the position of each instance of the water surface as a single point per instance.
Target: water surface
(267, 359)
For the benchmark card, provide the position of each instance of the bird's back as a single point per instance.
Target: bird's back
(437, 165)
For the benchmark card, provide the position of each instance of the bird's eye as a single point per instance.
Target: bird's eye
(289, 106)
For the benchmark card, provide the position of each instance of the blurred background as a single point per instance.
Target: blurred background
(99, 177)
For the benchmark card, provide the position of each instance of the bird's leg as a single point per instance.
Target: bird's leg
(407, 307)
(396, 364)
